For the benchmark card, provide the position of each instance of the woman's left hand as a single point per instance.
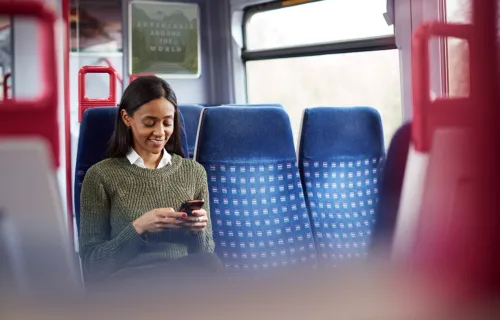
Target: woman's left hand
(197, 222)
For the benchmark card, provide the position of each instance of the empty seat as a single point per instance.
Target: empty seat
(191, 114)
(340, 157)
(258, 213)
(391, 186)
(96, 129)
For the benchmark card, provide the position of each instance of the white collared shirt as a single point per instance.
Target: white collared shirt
(134, 158)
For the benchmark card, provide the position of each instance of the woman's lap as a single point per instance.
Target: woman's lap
(192, 268)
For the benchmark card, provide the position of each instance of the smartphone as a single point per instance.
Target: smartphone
(190, 205)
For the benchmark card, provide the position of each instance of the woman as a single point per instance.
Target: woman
(129, 221)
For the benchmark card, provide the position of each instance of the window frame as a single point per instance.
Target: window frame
(330, 47)
(443, 46)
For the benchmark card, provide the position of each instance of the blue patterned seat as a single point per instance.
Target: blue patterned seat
(260, 220)
(191, 114)
(96, 129)
(341, 154)
(254, 105)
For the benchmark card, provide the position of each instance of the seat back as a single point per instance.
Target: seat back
(96, 129)
(259, 216)
(254, 105)
(191, 114)
(340, 156)
(391, 186)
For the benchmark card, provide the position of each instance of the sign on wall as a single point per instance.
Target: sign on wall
(164, 39)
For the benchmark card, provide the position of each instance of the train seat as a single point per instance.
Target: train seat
(255, 105)
(341, 155)
(96, 129)
(391, 186)
(259, 217)
(191, 114)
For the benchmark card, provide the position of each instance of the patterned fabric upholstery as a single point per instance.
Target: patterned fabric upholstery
(259, 216)
(191, 114)
(96, 129)
(341, 154)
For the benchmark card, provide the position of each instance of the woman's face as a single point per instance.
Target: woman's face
(152, 125)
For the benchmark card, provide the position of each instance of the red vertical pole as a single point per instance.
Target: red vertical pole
(485, 85)
(457, 236)
(67, 117)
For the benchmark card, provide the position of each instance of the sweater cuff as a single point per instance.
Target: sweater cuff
(131, 239)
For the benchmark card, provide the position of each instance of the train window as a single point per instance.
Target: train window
(316, 22)
(369, 78)
(324, 53)
(5, 58)
(96, 26)
(458, 11)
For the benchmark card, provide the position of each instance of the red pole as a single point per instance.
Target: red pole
(67, 118)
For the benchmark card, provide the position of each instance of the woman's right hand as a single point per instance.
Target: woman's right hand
(159, 219)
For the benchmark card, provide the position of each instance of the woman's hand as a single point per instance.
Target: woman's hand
(197, 222)
(159, 219)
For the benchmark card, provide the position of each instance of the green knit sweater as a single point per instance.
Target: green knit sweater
(115, 193)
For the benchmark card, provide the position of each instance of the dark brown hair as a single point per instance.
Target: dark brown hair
(139, 92)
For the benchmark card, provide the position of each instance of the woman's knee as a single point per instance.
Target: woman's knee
(210, 261)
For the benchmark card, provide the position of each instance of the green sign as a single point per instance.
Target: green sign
(164, 39)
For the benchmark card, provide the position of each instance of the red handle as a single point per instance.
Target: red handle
(442, 112)
(118, 76)
(85, 103)
(138, 75)
(6, 86)
(39, 115)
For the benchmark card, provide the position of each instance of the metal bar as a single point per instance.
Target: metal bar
(359, 45)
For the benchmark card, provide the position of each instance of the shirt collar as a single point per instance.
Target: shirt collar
(134, 158)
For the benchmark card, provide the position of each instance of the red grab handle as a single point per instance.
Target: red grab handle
(118, 76)
(442, 112)
(38, 115)
(85, 103)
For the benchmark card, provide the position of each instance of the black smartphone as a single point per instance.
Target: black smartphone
(190, 205)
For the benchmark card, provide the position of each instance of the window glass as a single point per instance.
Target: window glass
(317, 22)
(458, 11)
(351, 79)
(96, 26)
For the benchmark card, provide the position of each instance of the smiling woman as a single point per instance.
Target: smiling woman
(130, 224)
(148, 117)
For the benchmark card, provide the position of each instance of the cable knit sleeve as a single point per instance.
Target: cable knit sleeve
(100, 254)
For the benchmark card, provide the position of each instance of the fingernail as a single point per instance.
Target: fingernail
(184, 215)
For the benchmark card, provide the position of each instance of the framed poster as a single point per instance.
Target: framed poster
(164, 39)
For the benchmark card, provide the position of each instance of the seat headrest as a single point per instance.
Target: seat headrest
(190, 108)
(96, 129)
(245, 134)
(331, 132)
(277, 105)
